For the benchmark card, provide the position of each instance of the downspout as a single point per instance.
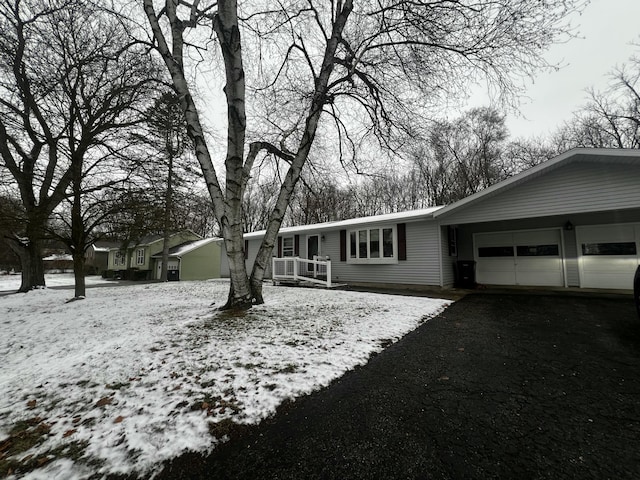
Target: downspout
(440, 254)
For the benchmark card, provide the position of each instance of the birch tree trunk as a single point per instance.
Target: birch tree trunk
(318, 101)
(227, 205)
(237, 174)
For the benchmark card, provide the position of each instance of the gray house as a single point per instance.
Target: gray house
(573, 221)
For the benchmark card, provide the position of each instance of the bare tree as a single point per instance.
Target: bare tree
(524, 153)
(609, 119)
(462, 156)
(166, 134)
(369, 63)
(69, 80)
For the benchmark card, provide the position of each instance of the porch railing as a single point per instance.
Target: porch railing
(298, 269)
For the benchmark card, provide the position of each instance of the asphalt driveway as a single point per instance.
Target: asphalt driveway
(498, 386)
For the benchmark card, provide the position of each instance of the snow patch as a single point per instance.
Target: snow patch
(142, 373)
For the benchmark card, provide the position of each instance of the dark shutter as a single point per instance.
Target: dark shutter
(279, 247)
(402, 241)
(296, 245)
(343, 245)
(246, 249)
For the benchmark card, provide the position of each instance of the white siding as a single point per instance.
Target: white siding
(574, 188)
(252, 252)
(224, 262)
(422, 266)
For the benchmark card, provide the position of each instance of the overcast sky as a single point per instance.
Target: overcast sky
(607, 28)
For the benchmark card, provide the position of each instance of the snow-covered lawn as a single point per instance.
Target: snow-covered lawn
(138, 374)
(12, 282)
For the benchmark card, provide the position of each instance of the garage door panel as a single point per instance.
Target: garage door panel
(609, 255)
(618, 280)
(607, 233)
(538, 264)
(496, 276)
(494, 239)
(536, 237)
(540, 271)
(535, 258)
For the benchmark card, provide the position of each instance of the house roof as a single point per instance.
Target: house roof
(411, 215)
(57, 257)
(186, 247)
(596, 155)
(149, 239)
(104, 245)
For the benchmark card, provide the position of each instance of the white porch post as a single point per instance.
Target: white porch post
(328, 273)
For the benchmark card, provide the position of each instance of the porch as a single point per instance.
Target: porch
(302, 271)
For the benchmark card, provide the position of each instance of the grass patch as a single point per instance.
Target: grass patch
(117, 386)
(216, 404)
(23, 436)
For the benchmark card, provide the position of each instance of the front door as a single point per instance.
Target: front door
(313, 249)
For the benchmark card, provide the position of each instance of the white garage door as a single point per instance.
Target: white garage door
(608, 255)
(532, 257)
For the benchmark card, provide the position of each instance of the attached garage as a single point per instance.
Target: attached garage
(528, 257)
(573, 221)
(608, 255)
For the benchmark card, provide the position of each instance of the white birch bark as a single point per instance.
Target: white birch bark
(318, 101)
(227, 205)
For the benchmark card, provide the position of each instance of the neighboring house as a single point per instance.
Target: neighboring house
(573, 221)
(134, 260)
(192, 260)
(97, 256)
(58, 263)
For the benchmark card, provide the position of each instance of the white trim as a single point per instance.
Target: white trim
(138, 256)
(381, 260)
(400, 217)
(293, 246)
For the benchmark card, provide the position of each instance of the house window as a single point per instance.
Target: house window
(538, 250)
(612, 248)
(287, 246)
(373, 245)
(140, 256)
(119, 258)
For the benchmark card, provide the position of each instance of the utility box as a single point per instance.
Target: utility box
(465, 274)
